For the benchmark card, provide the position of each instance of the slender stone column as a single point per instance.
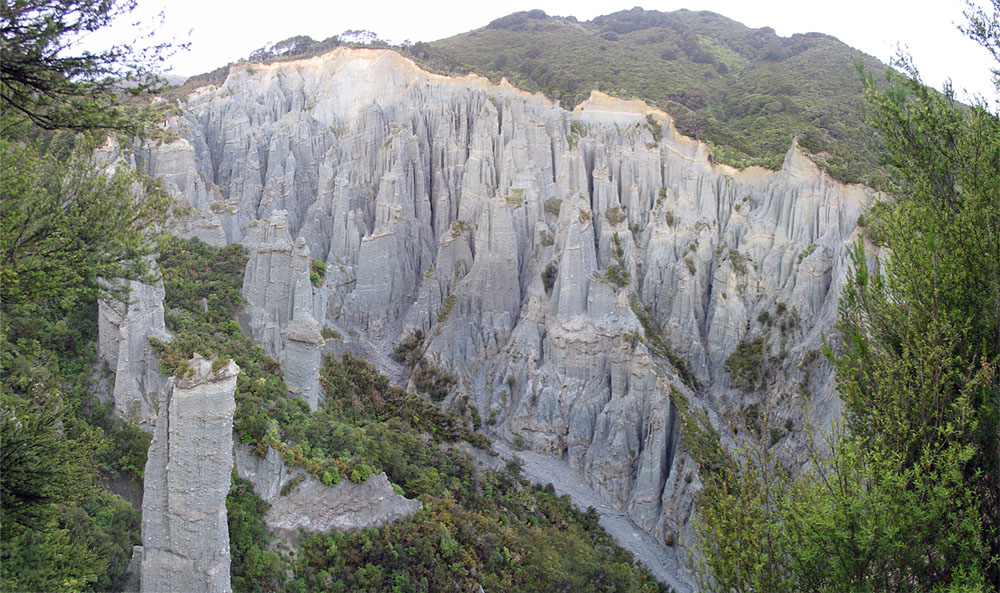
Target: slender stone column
(184, 530)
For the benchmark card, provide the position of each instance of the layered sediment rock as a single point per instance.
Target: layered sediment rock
(300, 501)
(281, 301)
(184, 530)
(276, 285)
(525, 242)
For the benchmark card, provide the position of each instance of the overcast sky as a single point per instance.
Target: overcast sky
(221, 31)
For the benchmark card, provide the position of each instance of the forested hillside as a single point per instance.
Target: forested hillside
(747, 92)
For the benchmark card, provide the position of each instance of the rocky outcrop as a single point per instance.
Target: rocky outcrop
(565, 266)
(302, 358)
(184, 530)
(276, 285)
(308, 504)
(281, 301)
(124, 333)
(345, 507)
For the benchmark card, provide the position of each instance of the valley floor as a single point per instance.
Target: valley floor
(662, 562)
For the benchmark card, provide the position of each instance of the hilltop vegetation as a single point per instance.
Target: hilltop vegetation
(746, 92)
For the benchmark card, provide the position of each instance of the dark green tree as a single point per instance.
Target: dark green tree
(74, 224)
(53, 88)
(68, 222)
(907, 498)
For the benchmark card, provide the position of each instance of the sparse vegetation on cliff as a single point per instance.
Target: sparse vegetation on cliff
(656, 343)
(317, 272)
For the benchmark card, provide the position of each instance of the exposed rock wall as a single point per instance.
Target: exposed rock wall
(282, 303)
(438, 204)
(184, 530)
(309, 504)
(302, 359)
(124, 331)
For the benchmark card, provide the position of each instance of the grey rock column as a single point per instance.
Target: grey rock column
(302, 359)
(184, 531)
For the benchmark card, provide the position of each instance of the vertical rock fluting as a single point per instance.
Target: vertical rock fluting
(276, 284)
(302, 359)
(561, 264)
(185, 535)
(124, 331)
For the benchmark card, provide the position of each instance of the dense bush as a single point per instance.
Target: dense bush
(747, 365)
(254, 568)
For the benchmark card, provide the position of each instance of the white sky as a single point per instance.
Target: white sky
(221, 31)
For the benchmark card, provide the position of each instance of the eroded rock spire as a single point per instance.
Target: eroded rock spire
(185, 535)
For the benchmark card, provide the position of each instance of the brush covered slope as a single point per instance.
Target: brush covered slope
(746, 91)
(468, 526)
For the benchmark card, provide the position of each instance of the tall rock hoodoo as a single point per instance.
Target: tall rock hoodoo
(185, 535)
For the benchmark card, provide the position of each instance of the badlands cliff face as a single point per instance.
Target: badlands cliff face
(522, 240)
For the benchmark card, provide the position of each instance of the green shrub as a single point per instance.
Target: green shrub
(410, 350)
(806, 252)
(515, 197)
(330, 477)
(360, 473)
(433, 381)
(449, 302)
(738, 262)
(618, 275)
(549, 276)
(654, 127)
(317, 272)
(615, 215)
(747, 365)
